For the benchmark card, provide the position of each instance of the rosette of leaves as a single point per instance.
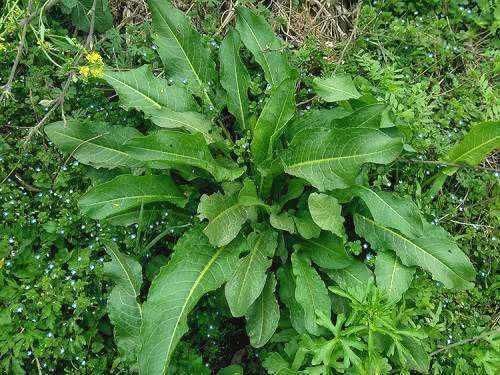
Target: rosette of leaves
(370, 336)
(276, 191)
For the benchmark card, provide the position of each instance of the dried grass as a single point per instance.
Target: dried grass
(328, 21)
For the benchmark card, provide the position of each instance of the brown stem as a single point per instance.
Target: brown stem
(26, 185)
(22, 41)
(465, 341)
(59, 101)
(20, 48)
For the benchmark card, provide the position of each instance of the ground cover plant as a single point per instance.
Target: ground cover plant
(282, 213)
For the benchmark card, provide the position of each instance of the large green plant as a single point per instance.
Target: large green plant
(280, 194)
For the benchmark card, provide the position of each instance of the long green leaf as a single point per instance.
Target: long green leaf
(267, 49)
(124, 311)
(481, 139)
(435, 251)
(195, 269)
(392, 211)
(168, 106)
(97, 144)
(186, 58)
(332, 159)
(126, 192)
(264, 314)
(393, 277)
(140, 89)
(179, 148)
(287, 288)
(278, 110)
(234, 79)
(310, 292)
(247, 282)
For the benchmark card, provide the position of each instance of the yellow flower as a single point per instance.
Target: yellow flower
(84, 71)
(2, 47)
(97, 71)
(2, 261)
(94, 57)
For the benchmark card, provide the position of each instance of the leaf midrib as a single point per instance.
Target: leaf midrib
(261, 51)
(457, 159)
(319, 161)
(131, 197)
(240, 102)
(84, 141)
(334, 89)
(386, 204)
(253, 253)
(158, 105)
(199, 162)
(200, 82)
(404, 239)
(190, 294)
(125, 270)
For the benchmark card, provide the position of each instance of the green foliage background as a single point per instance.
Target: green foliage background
(433, 62)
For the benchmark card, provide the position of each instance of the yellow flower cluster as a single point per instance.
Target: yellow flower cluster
(94, 58)
(94, 68)
(2, 47)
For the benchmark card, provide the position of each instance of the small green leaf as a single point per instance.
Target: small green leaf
(168, 106)
(283, 221)
(264, 314)
(81, 15)
(234, 79)
(335, 88)
(305, 225)
(226, 216)
(275, 364)
(126, 192)
(392, 277)
(310, 292)
(327, 251)
(124, 311)
(97, 144)
(326, 213)
(287, 288)
(249, 278)
(248, 194)
(481, 139)
(140, 89)
(353, 279)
